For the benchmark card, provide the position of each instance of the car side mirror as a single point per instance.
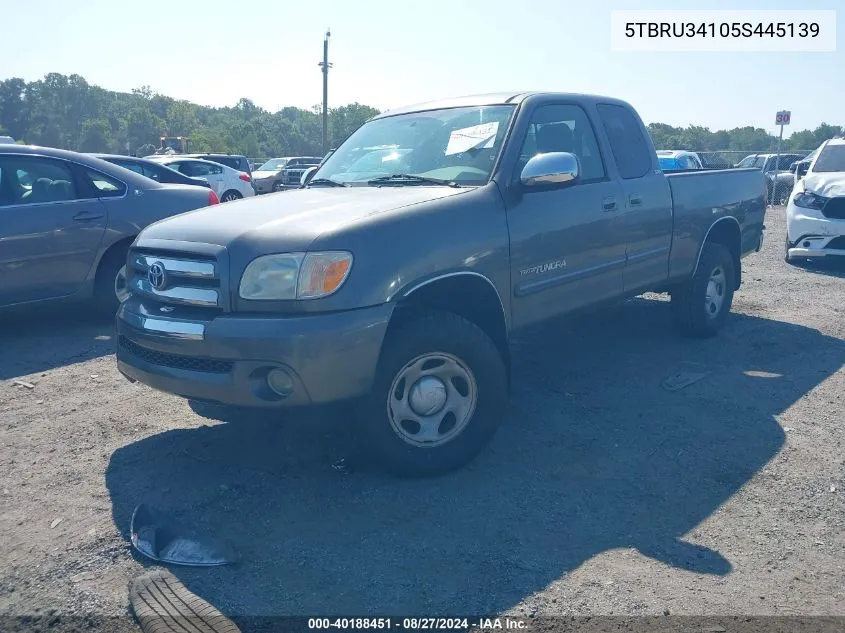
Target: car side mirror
(307, 175)
(550, 169)
(801, 170)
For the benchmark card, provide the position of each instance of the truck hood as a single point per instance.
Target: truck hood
(289, 221)
(827, 184)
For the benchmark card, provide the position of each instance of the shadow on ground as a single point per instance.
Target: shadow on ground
(38, 339)
(829, 266)
(595, 455)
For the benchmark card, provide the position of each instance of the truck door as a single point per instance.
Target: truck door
(646, 206)
(567, 243)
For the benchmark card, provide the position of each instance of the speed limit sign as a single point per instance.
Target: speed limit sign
(782, 117)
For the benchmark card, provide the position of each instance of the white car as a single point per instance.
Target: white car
(229, 184)
(815, 214)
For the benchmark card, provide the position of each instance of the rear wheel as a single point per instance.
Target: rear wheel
(438, 397)
(702, 304)
(230, 195)
(110, 288)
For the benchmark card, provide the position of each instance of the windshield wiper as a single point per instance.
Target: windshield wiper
(410, 178)
(327, 181)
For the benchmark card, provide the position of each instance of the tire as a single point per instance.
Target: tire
(696, 312)
(230, 196)
(478, 388)
(107, 297)
(786, 247)
(278, 186)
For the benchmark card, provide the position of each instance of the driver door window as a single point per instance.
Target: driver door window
(563, 128)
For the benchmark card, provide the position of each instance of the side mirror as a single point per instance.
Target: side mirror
(801, 170)
(553, 168)
(307, 175)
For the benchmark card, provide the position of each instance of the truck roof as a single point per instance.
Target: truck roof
(496, 98)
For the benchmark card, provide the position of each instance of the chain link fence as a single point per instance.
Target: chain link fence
(730, 158)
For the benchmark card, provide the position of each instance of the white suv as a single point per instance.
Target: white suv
(229, 184)
(815, 215)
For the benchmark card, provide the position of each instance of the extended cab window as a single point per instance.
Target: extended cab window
(33, 180)
(627, 142)
(563, 128)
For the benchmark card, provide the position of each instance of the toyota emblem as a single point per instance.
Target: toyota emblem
(157, 276)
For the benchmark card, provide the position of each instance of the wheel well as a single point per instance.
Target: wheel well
(727, 233)
(469, 296)
(123, 244)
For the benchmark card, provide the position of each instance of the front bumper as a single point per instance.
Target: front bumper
(329, 357)
(265, 185)
(810, 234)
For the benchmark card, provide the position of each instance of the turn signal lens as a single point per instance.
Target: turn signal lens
(323, 273)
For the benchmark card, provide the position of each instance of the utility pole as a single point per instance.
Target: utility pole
(325, 65)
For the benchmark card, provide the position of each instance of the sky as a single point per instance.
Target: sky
(391, 53)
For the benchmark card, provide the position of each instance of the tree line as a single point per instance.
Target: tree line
(67, 112)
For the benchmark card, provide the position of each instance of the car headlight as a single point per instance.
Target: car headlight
(808, 200)
(295, 276)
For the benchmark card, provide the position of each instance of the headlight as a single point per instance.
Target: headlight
(295, 276)
(808, 200)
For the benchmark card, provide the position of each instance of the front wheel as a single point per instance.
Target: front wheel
(278, 187)
(438, 396)
(702, 304)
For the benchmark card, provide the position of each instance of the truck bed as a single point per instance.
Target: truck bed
(701, 197)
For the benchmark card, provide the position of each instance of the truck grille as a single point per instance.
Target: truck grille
(835, 208)
(293, 177)
(186, 280)
(175, 361)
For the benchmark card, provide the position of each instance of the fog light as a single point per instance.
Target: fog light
(280, 382)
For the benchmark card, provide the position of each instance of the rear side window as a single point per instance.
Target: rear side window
(104, 186)
(629, 147)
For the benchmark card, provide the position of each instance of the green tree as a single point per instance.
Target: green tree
(94, 136)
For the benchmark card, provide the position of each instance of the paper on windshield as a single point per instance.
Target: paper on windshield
(465, 138)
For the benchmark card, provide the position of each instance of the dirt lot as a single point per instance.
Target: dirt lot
(604, 493)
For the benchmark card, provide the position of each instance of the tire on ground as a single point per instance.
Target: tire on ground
(452, 335)
(105, 299)
(689, 305)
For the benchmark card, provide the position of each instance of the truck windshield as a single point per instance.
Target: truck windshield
(832, 158)
(457, 145)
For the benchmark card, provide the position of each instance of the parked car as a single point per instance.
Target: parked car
(233, 161)
(779, 180)
(815, 213)
(678, 160)
(228, 183)
(67, 220)
(152, 169)
(401, 292)
(282, 173)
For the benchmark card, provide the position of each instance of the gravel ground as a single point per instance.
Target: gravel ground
(604, 493)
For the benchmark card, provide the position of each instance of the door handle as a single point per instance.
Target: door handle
(635, 200)
(87, 216)
(608, 204)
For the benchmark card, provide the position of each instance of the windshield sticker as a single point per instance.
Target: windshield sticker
(475, 137)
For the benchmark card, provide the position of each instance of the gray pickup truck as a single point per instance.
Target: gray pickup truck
(396, 282)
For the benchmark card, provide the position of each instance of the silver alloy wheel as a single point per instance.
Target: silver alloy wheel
(716, 290)
(121, 291)
(431, 400)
